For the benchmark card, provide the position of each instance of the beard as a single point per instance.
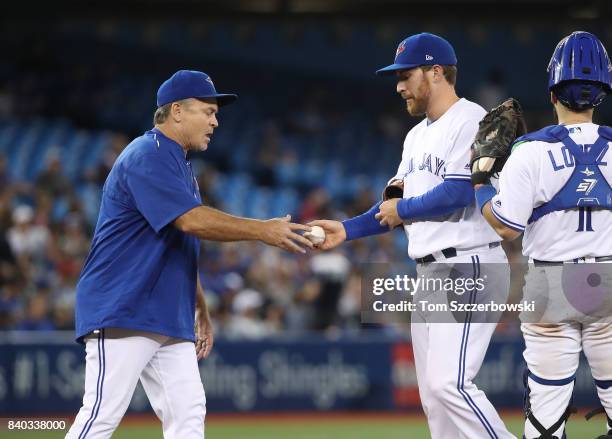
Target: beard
(417, 106)
(198, 144)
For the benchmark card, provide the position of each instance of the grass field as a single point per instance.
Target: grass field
(312, 427)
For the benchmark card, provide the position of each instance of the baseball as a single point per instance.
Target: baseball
(316, 235)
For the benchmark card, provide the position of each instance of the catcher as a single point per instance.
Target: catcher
(555, 188)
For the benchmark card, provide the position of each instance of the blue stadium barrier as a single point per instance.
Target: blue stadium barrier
(43, 373)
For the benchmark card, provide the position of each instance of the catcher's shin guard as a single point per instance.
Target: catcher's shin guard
(604, 387)
(546, 433)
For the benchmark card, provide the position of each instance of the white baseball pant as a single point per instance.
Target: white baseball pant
(449, 355)
(167, 367)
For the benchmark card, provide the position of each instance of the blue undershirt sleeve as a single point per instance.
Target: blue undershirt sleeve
(364, 224)
(445, 198)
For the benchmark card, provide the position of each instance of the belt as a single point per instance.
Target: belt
(539, 263)
(448, 253)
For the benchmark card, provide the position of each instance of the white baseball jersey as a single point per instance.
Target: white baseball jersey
(434, 152)
(535, 172)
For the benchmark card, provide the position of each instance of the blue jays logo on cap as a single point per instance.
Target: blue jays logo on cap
(421, 50)
(186, 84)
(400, 48)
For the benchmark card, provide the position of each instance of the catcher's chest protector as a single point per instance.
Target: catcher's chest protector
(587, 187)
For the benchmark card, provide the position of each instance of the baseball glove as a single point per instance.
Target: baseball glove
(395, 189)
(496, 132)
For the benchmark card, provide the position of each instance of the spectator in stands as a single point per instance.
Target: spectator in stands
(332, 269)
(52, 179)
(8, 263)
(315, 204)
(349, 305)
(63, 313)
(274, 315)
(366, 197)
(206, 182)
(37, 315)
(246, 321)
(27, 240)
(73, 242)
(117, 144)
(11, 306)
(300, 315)
(90, 196)
(268, 155)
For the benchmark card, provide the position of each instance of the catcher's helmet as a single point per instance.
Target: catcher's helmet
(580, 72)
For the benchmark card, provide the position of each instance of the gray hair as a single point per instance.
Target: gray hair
(163, 112)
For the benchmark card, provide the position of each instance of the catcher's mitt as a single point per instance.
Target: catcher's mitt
(395, 189)
(496, 132)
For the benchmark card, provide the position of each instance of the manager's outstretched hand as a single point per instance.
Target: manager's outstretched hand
(281, 233)
(335, 234)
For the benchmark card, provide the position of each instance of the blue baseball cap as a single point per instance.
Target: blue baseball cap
(422, 49)
(186, 84)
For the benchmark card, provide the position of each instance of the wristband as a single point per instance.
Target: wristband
(484, 194)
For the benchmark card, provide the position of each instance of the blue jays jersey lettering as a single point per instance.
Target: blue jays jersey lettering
(141, 271)
(434, 165)
(558, 192)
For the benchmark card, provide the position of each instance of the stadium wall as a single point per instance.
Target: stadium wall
(43, 373)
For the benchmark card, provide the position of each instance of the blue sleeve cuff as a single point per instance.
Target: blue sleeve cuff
(484, 194)
(364, 224)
